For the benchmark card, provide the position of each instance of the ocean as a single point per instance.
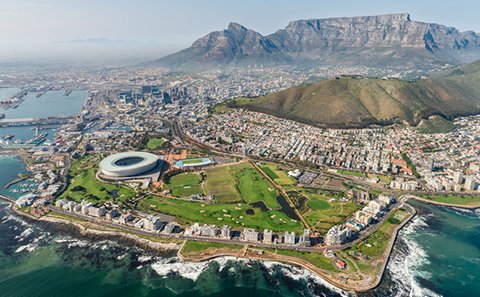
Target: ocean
(52, 103)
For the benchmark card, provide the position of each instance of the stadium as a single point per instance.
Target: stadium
(128, 164)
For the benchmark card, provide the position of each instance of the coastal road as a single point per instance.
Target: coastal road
(134, 230)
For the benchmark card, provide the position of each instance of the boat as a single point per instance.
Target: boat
(9, 136)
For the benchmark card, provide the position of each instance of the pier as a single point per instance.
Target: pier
(5, 198)
(35, 121)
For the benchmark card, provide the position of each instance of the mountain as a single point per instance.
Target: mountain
(349, 102)
(232, 45)
(385, 40)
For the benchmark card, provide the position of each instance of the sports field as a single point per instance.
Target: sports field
(185, 184)
(154, 143)
(278, 175)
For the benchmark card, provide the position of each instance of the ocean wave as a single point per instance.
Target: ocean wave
(22, 236)
(190, 270)
(464, 211)
(144, 258)
(299, 273)
(11, 217)
(31, 246)
(405, 266)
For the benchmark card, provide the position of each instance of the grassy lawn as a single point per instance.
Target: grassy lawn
(454, 199)
(370, 250)
(235, 215)
(323, 212)
(154, 143)
(192, 161)
(386, 179)
(185, 184)
(318, 204)
(84, 185)
(277, 175)
(316, 259)
(254, 188)
(222, 183)
(350, 173)
(195, 248)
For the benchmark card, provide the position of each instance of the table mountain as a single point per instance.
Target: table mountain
(385, 40)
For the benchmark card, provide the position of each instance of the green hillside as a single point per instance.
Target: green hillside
(348, 102)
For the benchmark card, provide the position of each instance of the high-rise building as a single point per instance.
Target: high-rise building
(289, 238)
(431, 164)
(267, 236)
(458, 177)
(250, 235)
(470, 183)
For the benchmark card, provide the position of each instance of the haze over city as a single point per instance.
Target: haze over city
(140, 30)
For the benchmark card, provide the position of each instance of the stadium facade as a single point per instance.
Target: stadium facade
(128, 164)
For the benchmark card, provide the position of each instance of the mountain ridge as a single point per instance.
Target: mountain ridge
(347, 102)
(392, 39)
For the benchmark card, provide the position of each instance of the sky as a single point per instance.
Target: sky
(149, 28)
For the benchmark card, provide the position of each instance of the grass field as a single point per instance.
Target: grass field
(221, 183)
(386, 179)
(455, 199)
(192, 161)
(188, 212)
(350, 173)
(185, 184)
(277, 175)
(196, 248)
(154, 143)
(316, 259)
(254, 188)
(84, 185)
(323, 212)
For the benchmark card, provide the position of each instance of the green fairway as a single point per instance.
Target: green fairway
(254, 188)
(318, 204)
(235, 215)
(154, 143)
(84, 185)
(185, 184)
(221, 182)
(277, 175)
(325, 209)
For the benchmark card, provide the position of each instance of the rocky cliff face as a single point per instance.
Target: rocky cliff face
(370, 40)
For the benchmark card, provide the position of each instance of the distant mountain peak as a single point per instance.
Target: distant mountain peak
(232, 26)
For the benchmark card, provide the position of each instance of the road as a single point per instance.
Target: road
(181, 236)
